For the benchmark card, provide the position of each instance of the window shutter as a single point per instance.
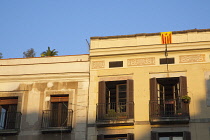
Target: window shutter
(186, 135)
(130, 136)
(102, 92)
(130, 102)
(183, 91)
(101, 99)
(100, 137)
(183, 85)
(59, 99)
(154, 135)
(153, 89)
(8, 101)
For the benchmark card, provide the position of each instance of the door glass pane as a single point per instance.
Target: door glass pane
(177, 138)
(164, 138)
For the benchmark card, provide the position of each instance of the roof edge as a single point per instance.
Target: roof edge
(150, 34)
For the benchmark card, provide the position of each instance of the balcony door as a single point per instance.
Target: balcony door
(115, 99)
(59, 110)
(8, 110)
(166, 94)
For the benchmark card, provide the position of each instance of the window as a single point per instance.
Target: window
(165, 97)
(170, 135)
(115, 99)
(128, 136)
(9, 117)
(59, 107)
(115, 64)
(166, 60)
(59, 116)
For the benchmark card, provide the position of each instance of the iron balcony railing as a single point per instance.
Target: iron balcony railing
(168, 109)
(10, 121)
(52, 119)
(115, 111)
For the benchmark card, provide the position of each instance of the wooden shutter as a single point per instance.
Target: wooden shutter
(100, 137)
(186, 135)
(59, 98)
(8, 101)
(130, 103)
(153, 89)
(183, 91)
(11, 116)
(154, 108)
(130, 136)
(154, 135)
(101, 99)
(183, 85)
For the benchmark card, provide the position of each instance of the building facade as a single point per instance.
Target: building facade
(130, 87)
(44, 98)
(138, 86)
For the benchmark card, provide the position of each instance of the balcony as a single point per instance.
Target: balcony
(112, 114)
(56, 121)
(169, 112)
(10, 123)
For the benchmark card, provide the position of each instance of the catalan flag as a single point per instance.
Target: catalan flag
(166, 37)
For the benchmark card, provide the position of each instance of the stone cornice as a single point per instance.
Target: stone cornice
(156, 48)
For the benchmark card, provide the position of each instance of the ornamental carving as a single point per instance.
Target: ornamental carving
(98, 64)
(141, 61)
(192, 58)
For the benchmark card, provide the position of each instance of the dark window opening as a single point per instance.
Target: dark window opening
(170, 135)
(116, 137)
(168, 88)
(116, 96)
(8, 112)
(128, 136)
(59, 107)
(115, 100)
(115, 64)
(166, 60)
(168, 95)
(59, 117)
(165, 98)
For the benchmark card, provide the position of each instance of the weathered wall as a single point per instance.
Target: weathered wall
(34, 80)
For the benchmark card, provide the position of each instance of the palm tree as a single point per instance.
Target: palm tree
(49, 53)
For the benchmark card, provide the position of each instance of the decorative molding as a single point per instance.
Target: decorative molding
(57, 92)
(192, 58)
(141, 61)
(98, 64)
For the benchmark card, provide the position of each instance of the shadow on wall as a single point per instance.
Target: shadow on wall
(31, 129)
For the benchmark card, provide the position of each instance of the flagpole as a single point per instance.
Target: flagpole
(166, 55)
(166, 38)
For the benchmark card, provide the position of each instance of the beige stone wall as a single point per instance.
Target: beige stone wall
(34, 80)
(146, 39)
(141, 61)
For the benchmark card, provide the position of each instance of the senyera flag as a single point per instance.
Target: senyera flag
(166, 37)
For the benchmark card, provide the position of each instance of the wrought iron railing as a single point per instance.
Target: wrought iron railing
(10, 120)
(160, 109)
(57, 119)
(115, 111)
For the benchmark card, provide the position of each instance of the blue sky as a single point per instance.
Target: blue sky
(65, 25)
